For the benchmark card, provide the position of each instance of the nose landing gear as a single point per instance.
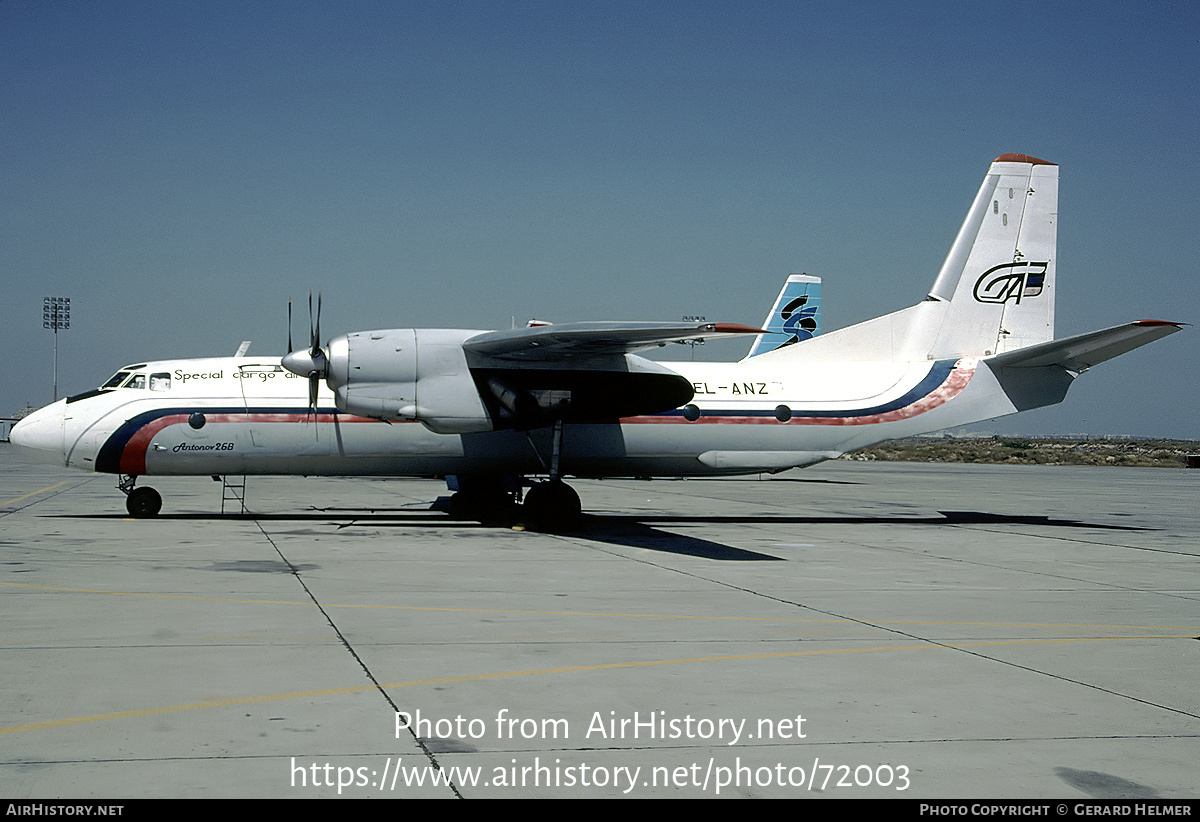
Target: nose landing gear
(139, 502)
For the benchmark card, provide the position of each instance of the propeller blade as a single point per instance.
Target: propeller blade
(316, 340)
(290, 348)
(312, 335)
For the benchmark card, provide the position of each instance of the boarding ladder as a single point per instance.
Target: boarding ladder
(233, 492)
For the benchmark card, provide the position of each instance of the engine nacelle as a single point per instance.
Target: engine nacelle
(408, 374)
(424, 374)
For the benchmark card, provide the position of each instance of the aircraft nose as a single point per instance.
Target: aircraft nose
(41, 430)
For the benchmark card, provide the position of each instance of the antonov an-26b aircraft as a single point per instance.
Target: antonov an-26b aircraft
(486, 409)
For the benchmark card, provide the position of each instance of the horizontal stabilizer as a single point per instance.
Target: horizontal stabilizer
(1082, 351)
(556, 343)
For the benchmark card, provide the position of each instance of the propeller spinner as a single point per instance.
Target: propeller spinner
(313, 363)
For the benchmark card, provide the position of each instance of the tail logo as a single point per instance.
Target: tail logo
(799, 319)
(1011, 281)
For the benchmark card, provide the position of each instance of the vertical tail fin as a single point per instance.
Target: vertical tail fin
(994, 293)
(796, 315)
(999, 274)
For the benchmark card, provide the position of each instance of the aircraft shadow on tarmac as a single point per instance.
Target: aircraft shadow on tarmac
(636, 531)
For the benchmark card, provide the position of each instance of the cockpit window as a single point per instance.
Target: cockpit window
(136, 381)
(116, 379)
(160, 382)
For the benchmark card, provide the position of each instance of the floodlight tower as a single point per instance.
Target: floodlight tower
(694, 318)
(56, 314)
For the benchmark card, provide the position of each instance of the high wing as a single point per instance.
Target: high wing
(572, 341)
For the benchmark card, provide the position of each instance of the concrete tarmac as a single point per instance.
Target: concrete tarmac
(851, 630)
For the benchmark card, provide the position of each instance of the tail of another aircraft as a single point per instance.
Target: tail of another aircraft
(995, 291)
(795, 317)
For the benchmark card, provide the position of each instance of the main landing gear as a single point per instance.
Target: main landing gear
(552, 503)
(494, 499)
(549, 504)
(139, 502)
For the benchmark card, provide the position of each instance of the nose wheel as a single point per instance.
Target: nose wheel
(139, 502)
(143, 502)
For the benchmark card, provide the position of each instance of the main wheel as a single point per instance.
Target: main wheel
(143, 502)
(552, 504)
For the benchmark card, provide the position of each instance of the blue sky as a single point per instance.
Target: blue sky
(179, 170)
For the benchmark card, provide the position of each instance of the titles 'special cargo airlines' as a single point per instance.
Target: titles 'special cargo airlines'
(487, 409)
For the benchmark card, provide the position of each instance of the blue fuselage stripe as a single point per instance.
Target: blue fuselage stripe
(936, 376)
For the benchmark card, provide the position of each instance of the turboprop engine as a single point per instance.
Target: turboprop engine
(407, 374)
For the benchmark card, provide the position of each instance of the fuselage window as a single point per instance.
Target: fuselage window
(116, 379)
(136, 381)
(160, 382)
